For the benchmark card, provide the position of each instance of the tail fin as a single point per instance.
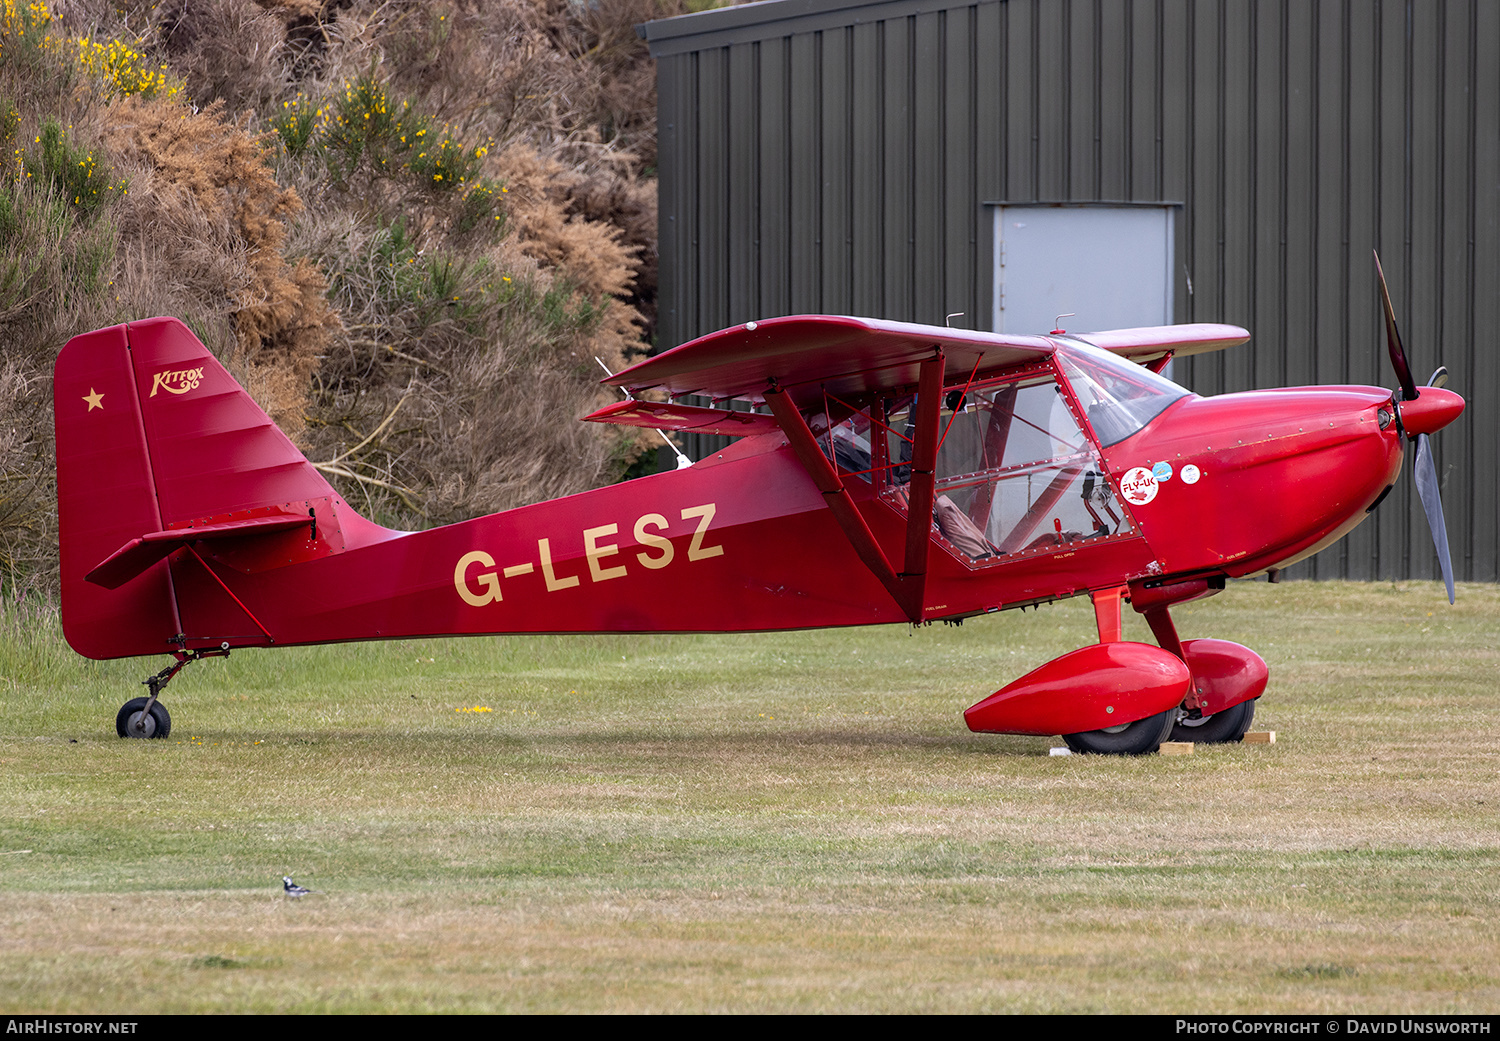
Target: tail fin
(158, 447)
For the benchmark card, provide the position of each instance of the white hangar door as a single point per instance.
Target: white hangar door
(1109, 265)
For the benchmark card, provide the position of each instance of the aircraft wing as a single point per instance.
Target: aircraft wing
(805, 355)
(1181, 341)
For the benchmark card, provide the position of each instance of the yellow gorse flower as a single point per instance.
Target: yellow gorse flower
(119, 65)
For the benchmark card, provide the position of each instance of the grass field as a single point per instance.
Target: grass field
(793, 822)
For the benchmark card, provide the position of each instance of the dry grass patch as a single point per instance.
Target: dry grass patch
(761, 823)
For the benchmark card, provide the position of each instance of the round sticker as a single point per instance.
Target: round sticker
(1138, 486)
(1162, 471)
(1190, 474)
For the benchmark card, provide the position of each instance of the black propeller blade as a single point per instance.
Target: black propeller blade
(1393, 340)
(1424, 468)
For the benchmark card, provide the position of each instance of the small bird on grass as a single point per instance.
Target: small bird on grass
(292, 889)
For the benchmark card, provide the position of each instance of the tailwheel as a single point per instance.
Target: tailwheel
(147, 717)
(137, 720)
(1218, 728)
(1142, 737)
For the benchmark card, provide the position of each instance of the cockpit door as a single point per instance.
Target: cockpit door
(1017, 473)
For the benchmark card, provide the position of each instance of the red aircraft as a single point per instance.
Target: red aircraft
(888, 472)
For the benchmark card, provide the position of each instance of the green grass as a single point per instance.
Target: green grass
(769, 822)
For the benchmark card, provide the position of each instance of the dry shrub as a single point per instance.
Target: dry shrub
(56, 261)
(204, 164)
(488, 386)
(466, 346)
(555, 202)
(296, 10)
(570, 81)
(587, 252)
(484, 355)
(174, 260)
(621, 106)
(227, 50)
(490, 67)
(27, 519)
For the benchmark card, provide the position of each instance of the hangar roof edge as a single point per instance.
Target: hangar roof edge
(746, 23)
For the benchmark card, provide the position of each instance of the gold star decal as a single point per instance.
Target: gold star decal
(95, 399)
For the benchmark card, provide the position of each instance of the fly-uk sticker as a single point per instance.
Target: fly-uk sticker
(1138, 486)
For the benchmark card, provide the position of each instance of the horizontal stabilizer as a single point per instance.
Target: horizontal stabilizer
(659, 415)
(138, 554)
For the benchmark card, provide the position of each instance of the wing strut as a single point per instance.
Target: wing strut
(923, 462)
(908, 587)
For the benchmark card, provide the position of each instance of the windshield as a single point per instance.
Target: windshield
(1117, 396)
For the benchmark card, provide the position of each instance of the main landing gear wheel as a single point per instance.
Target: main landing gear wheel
(1219, 728)
(135, 721)
(1142, 737)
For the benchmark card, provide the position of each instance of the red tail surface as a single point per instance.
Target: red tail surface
(158, 447)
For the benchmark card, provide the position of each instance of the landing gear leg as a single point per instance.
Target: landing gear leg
(147, 717)
(1227, 678)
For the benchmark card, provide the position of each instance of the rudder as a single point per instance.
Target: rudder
(156, 442)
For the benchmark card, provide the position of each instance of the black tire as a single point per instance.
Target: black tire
(157, 724)
(1220, 728)
(1142, 737)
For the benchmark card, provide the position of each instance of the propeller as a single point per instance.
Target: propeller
(1424, 469)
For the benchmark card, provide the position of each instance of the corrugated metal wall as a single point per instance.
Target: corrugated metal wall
(822, 156)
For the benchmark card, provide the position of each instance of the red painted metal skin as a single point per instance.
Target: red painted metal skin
(1102, 685)
(1283, 473)
(154, 438)
(1224, 673)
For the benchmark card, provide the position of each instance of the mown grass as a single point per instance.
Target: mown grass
(764, 822)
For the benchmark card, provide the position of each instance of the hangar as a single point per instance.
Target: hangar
(1131, 161)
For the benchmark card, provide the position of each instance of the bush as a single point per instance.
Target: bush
(445, 163)
(56, 259)
(76, 175)
(439, 301)
(274, 303)
(24, 32)
(294, 125)
(362, 128)
(483, 209)
(123, 69)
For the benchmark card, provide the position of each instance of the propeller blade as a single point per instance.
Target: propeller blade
(1393, 339)
(1424, 468)
(1427, 491)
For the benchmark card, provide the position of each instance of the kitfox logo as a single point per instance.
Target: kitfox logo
(176, 381)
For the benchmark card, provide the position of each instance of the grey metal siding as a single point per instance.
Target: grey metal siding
(831, 156)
